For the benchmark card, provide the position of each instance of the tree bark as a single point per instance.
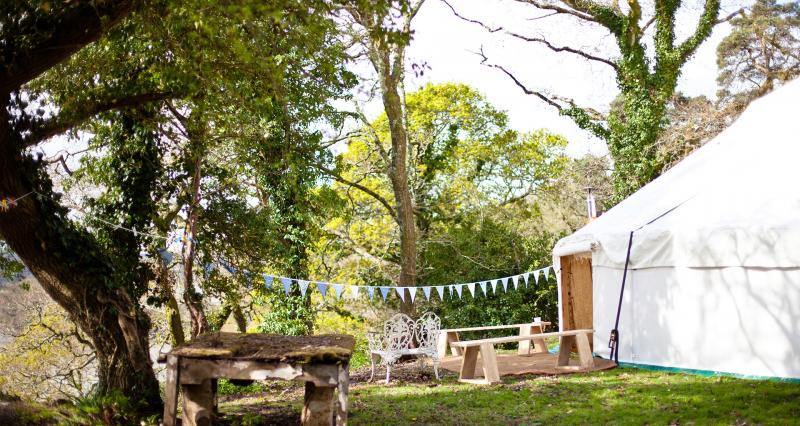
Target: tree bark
(398, 174)
(72, 269)
(194, 302)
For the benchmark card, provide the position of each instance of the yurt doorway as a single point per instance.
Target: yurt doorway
(576, 292)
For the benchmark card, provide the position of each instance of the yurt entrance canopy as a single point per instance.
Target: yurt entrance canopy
(714, 275)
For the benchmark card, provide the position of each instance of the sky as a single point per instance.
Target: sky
(448, 45)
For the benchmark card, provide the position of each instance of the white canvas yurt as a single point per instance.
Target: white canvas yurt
(713, 280)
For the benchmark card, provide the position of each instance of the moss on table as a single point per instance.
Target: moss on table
(269, 347)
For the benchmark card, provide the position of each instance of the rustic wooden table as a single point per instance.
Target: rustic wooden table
(320, 361)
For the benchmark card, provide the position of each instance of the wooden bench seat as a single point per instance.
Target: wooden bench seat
(491, 374)
(447, 336)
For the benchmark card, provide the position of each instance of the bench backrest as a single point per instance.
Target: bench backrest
(398, 332)
(427, 330)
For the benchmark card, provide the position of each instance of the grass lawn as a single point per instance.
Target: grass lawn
(619, 396)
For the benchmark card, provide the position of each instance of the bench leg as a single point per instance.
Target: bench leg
(584, 351)
(171, 392)
(539, 345)
(344, 387)
(317, 405)
(468, 363)
(489, 359)
(524, 345)
(564, 348)
(198, 404)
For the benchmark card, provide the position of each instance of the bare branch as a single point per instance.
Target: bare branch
(554, 48)
(474, 21)
(360, 187)
(519, 84)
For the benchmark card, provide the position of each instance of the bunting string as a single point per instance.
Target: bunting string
(474, 289)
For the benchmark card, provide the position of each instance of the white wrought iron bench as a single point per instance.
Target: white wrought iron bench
(397, 339)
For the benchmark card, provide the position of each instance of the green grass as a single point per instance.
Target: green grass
(620, 396)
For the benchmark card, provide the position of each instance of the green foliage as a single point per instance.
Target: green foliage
(478, 249)
(334, 323)
(10, 268)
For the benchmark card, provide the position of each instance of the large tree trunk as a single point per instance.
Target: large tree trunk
(194, 301)
(398, 174)
(72, 269)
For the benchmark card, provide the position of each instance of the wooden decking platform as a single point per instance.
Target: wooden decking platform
(513, 364)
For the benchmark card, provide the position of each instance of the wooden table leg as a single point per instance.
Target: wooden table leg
(441, 344)
(489, 359)
(539, 345)
(453, 337)
(564, 349)
(198, 404)
(317, 405)
(468, 363)
(344, 386)
(171, 391)
(524, 345)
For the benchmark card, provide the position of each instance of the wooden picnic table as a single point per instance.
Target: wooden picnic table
(450, 335)
(320, 361)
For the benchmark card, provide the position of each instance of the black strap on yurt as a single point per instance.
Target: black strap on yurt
(613, 341)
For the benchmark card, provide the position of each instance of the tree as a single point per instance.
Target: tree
(646, 82)
(463, 163)
(383, 33)
(759, 54)
(83, 65)
(761, 51)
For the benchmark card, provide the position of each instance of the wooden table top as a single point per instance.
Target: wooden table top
(328, 348)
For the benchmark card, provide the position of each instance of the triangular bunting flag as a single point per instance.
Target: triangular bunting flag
(354, 291)
(483, 288)
(303, 286)
(427, 292)
(515, 280)
(536, 276)
(413, 292)
(385, 292)
(440, 290)
(401, 291)
(471, 288)
(323, 288)
(337, 290)
(505, 284)
(371, 292)
(526, 276)
(546, 272)
(459, 288)
(494, 286)
(267, 280)
(287, 284)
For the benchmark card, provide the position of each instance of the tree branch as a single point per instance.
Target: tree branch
(360, 187)
(65, 121)
(564, 49)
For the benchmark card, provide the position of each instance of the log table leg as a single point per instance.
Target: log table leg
(344, 386)
(171, 391)
(198, 404)
(452, 336)
(318, 405)
(584, 351)
(564, 348)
